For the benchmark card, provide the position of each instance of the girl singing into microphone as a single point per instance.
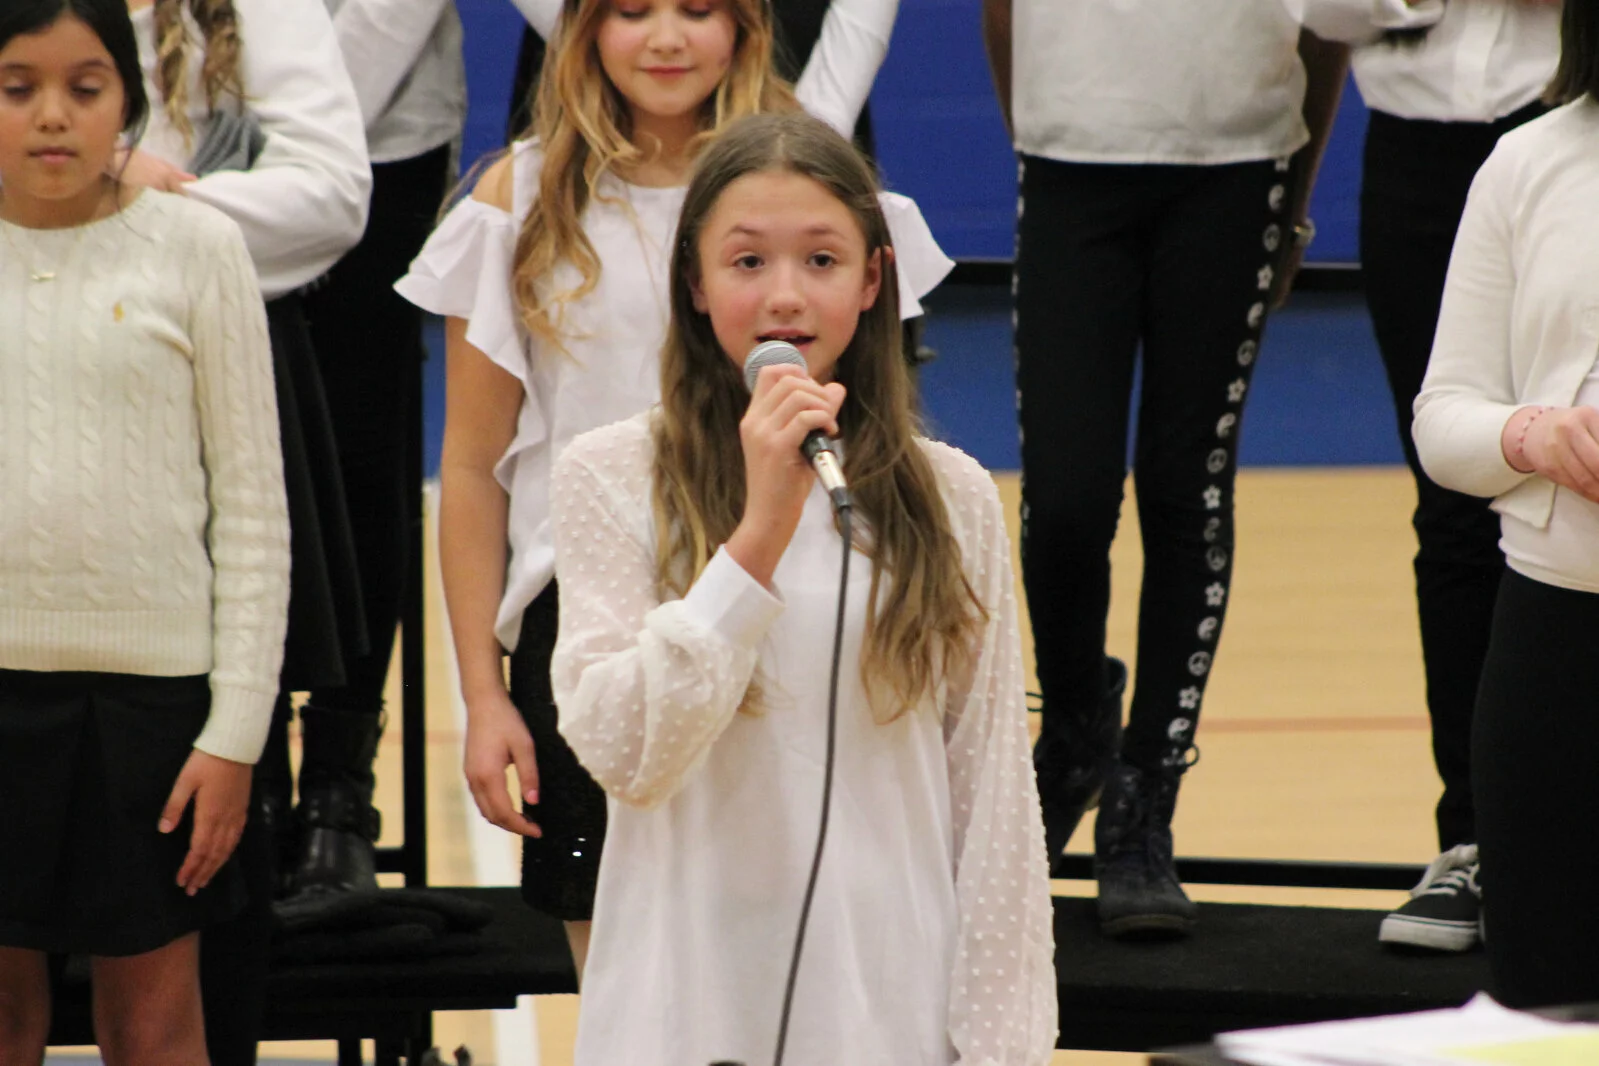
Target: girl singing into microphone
(699, 564)
(553, 279)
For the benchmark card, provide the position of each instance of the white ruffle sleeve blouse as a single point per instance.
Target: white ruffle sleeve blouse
(613, 337)
(930, 939)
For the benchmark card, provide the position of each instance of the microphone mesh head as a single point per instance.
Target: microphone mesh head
(770, 353)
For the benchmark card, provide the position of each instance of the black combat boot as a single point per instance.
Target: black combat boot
(338, 825)
(1076, 749)
(1139, 894)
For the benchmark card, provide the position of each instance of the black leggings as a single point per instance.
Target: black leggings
(1178, 259)
(1534, 740)
(368, 341)
(1413, 193)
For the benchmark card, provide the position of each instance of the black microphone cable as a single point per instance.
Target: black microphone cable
(844, 512)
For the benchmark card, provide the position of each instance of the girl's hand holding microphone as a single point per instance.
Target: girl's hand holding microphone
(786, 406)
(1559, 443)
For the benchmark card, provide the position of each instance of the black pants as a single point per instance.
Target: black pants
(368, 341)
(1178, 259)
(1537, 787)
(1414, 190)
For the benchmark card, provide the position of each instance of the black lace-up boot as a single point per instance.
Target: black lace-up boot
(1139, 894)
(338, 825)
(1075, 750)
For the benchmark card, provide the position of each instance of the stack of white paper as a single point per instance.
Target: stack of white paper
(1481, 1032)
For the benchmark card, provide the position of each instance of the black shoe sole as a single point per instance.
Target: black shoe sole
(1148, 927)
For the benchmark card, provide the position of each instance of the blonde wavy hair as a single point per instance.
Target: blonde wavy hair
(927, 622)
(584, 127)
(219, 75)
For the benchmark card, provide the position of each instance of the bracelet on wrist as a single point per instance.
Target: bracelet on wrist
(1521, 440)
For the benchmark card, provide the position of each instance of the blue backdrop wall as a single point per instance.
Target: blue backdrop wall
(939, 134)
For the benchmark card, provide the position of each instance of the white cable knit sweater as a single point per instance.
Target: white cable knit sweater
(143, 528)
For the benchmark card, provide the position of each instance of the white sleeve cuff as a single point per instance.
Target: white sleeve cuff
(727, 601)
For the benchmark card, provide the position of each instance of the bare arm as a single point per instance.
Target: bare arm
(1326, 67)
(481, 406)
(997, 41)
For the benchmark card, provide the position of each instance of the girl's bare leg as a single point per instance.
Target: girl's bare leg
(147, 1007)
(24, 1006)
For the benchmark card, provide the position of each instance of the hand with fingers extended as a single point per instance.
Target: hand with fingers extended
(786, 406)
(496, 740)
(135, 167)
(1559, 443)
(220, 790)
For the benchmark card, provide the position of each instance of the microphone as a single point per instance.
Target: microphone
(817, 446)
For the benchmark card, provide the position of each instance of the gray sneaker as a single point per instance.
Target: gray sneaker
(1445, 908)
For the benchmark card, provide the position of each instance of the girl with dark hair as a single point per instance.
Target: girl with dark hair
(554, 279)
(699, 563)
(1443, 81)
(1509, 409)
(144, 558)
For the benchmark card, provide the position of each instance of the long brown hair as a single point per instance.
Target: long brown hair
(219, 75)
(926, 618)
(1578, 75)
(584, 128)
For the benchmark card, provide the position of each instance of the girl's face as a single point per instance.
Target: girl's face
(61, 111)
(781, 258)
(666, 57)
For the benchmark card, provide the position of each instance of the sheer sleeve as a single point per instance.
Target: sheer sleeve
(1002, 1007)
(644, 687)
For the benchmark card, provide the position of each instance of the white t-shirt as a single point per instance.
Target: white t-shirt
(404, 57)
(1157, 81)
(613, 337)
(304, 203)
(930, 939)
(1479, 60)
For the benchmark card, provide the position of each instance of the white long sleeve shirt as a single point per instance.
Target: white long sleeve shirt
(1519, 323)
(1480, 60)
(930, 939)
(837, 80)
(143, 528)
(613, 337)
(405, 60)
(304, 203)
(1157, 81)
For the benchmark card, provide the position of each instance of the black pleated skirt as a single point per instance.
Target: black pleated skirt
(326, 623)
(87, 761)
